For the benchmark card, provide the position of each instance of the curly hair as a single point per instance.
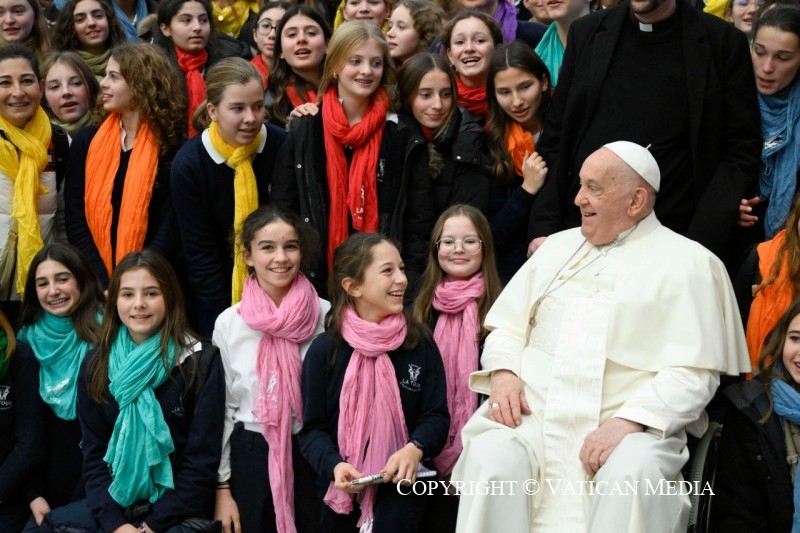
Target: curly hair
(152, 81)
(429, 19)
(281, 73)
(65, 37)
(520, 56)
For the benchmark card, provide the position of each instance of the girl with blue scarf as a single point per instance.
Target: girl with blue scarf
(775, 53)
(757, 486)
(151, 419)
(60, 322)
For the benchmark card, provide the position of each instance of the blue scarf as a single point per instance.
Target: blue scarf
(787, 405)
(551, 51)
(130, 28)
(780, 155)
(138, 452)
(60, 351)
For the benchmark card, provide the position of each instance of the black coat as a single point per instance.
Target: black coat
(300, 184)
(724, 137)
(753, 490)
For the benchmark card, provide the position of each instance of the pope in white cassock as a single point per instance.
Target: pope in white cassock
(605, 349)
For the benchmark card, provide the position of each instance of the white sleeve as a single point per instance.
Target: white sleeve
(231, 404)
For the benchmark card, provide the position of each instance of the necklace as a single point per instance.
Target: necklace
(550, 289)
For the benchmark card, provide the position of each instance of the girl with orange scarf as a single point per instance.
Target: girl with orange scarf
(332, 168)
(518, 89)
(469, 40)
(118, 195)
(30, 180)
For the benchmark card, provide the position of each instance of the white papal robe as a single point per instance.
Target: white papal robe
(638, 329)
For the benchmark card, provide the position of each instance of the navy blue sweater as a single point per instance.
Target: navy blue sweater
(423, 395)
(202, 193)
(196, 433)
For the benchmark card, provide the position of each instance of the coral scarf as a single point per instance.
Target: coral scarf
(262, 68)
(279, 366)
(102, 163)
(245, 197)
(456, 335)
(23, 156)
(192, 66)
(352, 191)
(518, 142)
(372, 425)
(770, 302)
(295, 98)
(473, 99)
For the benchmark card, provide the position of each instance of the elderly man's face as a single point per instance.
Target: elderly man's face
(604, 198)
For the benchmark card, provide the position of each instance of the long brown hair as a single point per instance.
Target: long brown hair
(176, 324)
(350, 260)
(789, 249)
(434, 274)
(84, 314)
(770, 366)
(12, 339)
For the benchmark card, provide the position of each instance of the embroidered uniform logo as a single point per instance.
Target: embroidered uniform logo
(5, 397)
(411, 384)
(178, 410)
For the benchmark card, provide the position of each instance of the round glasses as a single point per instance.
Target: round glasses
(471, 245)
(265, 27)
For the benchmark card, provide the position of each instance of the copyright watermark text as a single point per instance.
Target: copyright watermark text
(556, 487)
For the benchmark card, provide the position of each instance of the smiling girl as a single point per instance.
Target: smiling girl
(373, 393)
(334, 163)
(24, 23)
(263, 341)
(413, 26)
(90, 28)
(117, 194)
(70, 91)
(469, 40)
(518, 88)
(220, 177)
(299, 56)
(60, 322)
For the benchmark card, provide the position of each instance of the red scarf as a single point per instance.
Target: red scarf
(279, 367)
(371, 424)
(192, 65)
(310, 95)
(473, 99)
(262, 68)
(352, 192)
(427, 132)
(456, 335)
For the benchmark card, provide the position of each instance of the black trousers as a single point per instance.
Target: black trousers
(251, 489)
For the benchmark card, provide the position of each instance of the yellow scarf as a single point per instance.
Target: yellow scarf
(245, 199)
(231, 18)
(23, 157)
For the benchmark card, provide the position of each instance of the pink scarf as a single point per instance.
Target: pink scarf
(279, 367)
(456, 335)
(371, 422)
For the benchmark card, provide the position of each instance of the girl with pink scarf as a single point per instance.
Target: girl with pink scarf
(264, 483)
(374, 394)
(458, 287)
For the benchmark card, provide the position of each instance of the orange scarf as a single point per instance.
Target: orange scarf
(262, 68)
(352, 191)
(518, 143)
(473, 99)
(102, 163)
(192, 65)
(770, 302)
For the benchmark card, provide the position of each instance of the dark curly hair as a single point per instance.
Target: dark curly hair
(64, 34)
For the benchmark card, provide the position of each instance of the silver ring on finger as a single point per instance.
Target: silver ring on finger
(495, 405)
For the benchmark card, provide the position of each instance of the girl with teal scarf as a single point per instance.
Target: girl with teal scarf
(757, 480)
(151, 426)
(60, 322)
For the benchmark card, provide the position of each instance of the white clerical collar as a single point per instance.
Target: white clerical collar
(645, 27)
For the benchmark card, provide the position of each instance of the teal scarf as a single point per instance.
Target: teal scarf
(138, 452)
(4, 362)
(551, 51)
(60, 351)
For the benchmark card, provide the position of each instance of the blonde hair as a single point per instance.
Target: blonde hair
(227, 72)
(347, 38)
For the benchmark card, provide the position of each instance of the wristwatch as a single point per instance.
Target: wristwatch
(419, 445)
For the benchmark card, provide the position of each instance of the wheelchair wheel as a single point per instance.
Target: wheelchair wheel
(703, 470)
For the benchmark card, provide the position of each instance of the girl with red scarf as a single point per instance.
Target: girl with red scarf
(374, 394)
(265, 34)
(331, 168)
(263, 340)
(300, 46)
(469, 40)
(117, 192)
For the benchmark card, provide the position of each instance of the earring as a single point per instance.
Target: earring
(335, 76)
